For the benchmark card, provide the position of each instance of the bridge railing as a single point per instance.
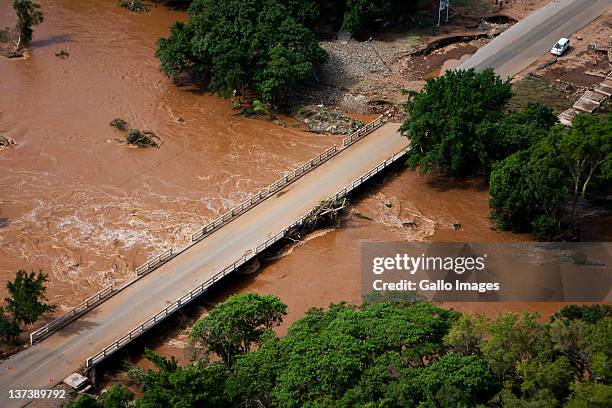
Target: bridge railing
(361, 132)
(168, 254)
(68, 317)
(155, 262)
(283, 181)
(152, 321)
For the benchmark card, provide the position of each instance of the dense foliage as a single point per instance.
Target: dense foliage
(231, 328)
(393, 354)
(25, 304)
(538, 189)
(9, 328)
(28, 15)
(359, 13)
(539, 171)
(450, 120)
(27, 301)
(262, 44)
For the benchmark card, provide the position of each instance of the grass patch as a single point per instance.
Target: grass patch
(534, 88)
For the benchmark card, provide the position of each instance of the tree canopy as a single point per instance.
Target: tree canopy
(358, 13)
(531, 189)
(26, 301)
(28, 15)
(231, 328)
(261, 44)
(449, 122)
(404, 354)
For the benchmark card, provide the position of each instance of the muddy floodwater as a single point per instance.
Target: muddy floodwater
(86, 209)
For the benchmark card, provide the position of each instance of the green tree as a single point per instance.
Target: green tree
(117, 397)
(359, 13)
(28, 15)
(9, 329)
(587, 313)
(237, 44)
(528, 190)
(26, 301)
(173, 386)
(337, 357)
(586, 149)
(512, 340)
(234, 325)
(590, 395)
(449, 120)
(519, 130)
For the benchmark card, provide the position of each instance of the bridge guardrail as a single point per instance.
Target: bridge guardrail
(155, 262)
(283, 181)
(152, 321)
(361, 132)
(68, 317)
(162, 258)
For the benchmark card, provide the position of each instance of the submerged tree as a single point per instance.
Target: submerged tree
(28, 15)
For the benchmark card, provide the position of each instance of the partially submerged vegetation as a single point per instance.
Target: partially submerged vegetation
(133, 5)
(540, 188)
(539, 171)
(142, 138)
(62, 54)
(387, 352)
(15, 40)
(6, 141)
(262, 44)
(136, 137)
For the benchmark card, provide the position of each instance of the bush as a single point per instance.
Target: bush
(120, 124)
(133, 5)
(142, 138)
(9, 329)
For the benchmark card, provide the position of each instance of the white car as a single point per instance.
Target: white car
(560, 47)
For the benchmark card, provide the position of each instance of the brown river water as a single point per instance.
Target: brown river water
(86, 209)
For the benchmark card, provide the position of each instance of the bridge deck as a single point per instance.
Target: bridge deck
(65, 351)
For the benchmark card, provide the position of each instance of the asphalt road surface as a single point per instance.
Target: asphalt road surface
(50, 361)
(526, 41)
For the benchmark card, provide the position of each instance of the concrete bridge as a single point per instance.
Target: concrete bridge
(115, 316)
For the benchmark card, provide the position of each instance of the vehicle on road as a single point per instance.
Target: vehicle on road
(560, 47)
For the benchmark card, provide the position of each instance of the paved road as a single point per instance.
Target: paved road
(65, 351)
(526, 41)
